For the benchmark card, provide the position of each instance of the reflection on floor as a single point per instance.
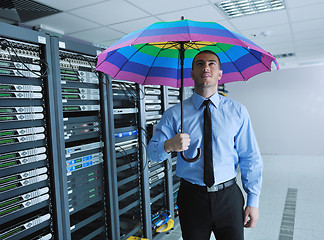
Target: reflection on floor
(304, 175)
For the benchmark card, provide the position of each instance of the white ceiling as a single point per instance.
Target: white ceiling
(297, 29)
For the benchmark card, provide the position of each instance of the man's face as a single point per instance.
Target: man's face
(206, 72)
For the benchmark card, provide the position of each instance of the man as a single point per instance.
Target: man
(216, 205)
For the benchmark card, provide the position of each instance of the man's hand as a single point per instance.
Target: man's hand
(251, 217)
(178, 143)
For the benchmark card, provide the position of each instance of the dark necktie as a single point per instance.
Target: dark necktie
(208, 150)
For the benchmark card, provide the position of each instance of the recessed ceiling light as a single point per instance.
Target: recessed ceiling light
(237, 8)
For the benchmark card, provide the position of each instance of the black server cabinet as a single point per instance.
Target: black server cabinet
(128, 161)
(154, 109)
(82, 127)
(174, 96)
(158, 182)
(28, 196)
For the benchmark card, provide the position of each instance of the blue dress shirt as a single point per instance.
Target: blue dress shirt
(234, 143)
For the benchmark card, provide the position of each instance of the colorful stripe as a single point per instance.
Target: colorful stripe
(147, 56)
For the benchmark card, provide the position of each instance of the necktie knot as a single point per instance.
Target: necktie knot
(207, 102)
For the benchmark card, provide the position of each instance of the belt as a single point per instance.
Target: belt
(214, 188)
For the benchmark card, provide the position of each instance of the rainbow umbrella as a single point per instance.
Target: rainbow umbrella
(162, 54)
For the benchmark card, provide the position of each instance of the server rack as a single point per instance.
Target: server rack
(159, 174)
(83, 151)
(27, 153)
(128, 161)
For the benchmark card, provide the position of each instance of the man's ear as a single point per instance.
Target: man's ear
(220, 74)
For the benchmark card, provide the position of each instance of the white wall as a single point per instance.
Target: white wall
(286, 108)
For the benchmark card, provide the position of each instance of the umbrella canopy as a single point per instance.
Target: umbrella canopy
(151, 56)
(162, 54)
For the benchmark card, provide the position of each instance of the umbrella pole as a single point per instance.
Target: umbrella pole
(181, 51)
(181, 88)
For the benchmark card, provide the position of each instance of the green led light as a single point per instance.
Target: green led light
(5, 110)
(67, 72)
(8, 187)
(70, 90)
(69, 78)
(70, 96)
(4, 87)
(70, 108)
(9, 202)
(8, 179)
(4, 64)
(7, 133)
(8, 210)
(78, 166)
(7, 141)
(5, 95)
(6, 119)
(7, 164)
(12, 232)
(7, 156)
(4, 71)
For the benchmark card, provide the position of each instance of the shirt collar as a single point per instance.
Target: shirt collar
(197, 100)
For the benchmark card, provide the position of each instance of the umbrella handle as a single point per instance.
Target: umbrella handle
(191, 159)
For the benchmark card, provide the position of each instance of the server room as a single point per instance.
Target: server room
(99, 131)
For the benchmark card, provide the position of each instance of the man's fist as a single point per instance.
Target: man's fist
(178, 143)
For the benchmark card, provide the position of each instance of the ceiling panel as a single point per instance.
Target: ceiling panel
(110, 12)
(308, 35)
(269, 31)
(261, 20)
(307, 12)
(280, 48)
(158, 6)
(210, 14)
(65, 5)
(105, 44)
(301, 3)
(128, 27)
(316, 24)
(273, 40)
(307, 43)
(64, 22)
(98, 35)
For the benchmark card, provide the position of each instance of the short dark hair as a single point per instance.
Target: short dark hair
(206, 51)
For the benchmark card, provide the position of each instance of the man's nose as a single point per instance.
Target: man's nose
(206, 68)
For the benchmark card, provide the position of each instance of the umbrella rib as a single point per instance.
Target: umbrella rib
(129, 59)
(164, 43)
(257, 58)
(148, 72)
(98, 65)
(194, 43)
(231, 61)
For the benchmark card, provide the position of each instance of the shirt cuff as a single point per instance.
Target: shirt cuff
(252, 201)
(162, 153)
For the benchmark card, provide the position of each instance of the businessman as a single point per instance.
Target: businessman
(209, 199)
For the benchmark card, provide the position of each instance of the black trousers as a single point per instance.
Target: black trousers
(202, 212)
